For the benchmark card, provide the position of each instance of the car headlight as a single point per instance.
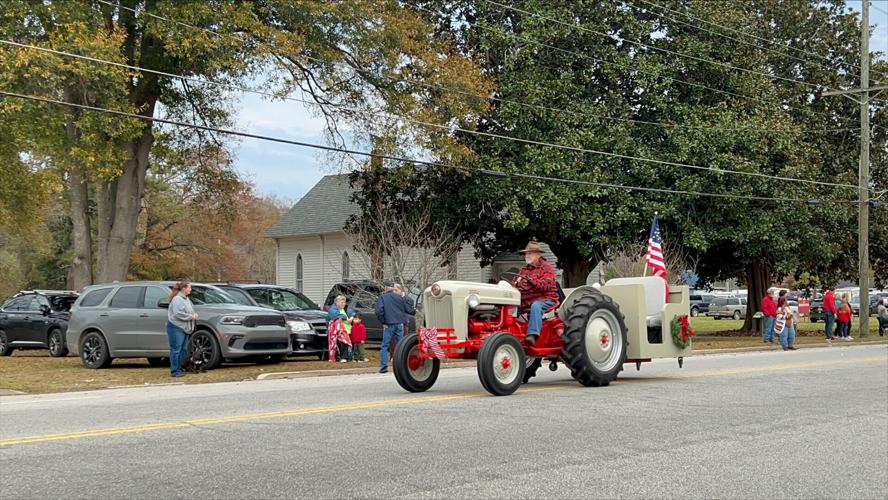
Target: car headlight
(232, 320)
(473, 301)
(298, 326)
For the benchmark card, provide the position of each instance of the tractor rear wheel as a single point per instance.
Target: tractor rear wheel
(594, 340)
(531, 370)
(501, 364)
(413, 373)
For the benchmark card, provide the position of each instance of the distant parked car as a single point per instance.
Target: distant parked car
(727, 307)
(308, 324)
(128, 320)
(361, 296)
(874, 301)
(36, 319)
(700, 303)
(817, 313)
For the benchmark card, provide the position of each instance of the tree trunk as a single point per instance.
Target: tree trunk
(575, 269)
(80, 271)
(758, 279)
(119, 205)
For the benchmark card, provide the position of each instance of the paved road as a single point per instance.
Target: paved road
(810, 423)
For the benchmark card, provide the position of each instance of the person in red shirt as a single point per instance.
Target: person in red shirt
(539, 290)
(769, 309)
(358, 336)
(829, 306)
(843, 316)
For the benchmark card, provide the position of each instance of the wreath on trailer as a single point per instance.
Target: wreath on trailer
(681, 331)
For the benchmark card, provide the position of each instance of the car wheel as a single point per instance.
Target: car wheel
(94, 353)
(159, 362)
(5, 350)
(695, 312)
(736, 314)
(205, 349)
(56, 344)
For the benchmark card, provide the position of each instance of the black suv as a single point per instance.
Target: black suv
(36, 319)
(361, 297)
(307, 323)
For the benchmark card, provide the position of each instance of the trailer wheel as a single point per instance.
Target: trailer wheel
(531, 370)
(411, 372)
(501, 364)
(594, 340)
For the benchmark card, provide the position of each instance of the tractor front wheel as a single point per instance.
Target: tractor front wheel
(594, 340)
(501, 364)
(412, 372)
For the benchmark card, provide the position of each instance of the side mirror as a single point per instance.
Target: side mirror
(163, 304)
(45, 309)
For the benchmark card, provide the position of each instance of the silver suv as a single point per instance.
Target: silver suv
(128, 320)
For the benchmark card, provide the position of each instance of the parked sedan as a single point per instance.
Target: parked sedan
(727, 307)
(308, 324)
(128, 320)
(36, 319)
(817, 313)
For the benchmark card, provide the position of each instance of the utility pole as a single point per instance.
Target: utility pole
(863, 169)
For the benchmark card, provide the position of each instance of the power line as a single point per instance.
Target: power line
(482, 171)
(660, 49)
(434, 125)
(162, 18)
(700, 28)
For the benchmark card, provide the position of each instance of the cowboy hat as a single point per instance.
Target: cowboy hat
(532, 246)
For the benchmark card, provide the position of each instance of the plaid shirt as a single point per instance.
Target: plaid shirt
(538, 283)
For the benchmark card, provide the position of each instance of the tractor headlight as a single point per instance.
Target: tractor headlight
(473, 301)
(232, 320)
(298, 326)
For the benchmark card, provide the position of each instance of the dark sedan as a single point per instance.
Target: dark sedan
(817, 313)
(36, 319)
(307, 323)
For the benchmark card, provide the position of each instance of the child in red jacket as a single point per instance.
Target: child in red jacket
(358, 336)
(844, 319)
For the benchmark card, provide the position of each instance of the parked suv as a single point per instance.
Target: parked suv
(361, 296)
(700, 303)
(128, 320)
(727, 307)
(308, 324)
(36, 319)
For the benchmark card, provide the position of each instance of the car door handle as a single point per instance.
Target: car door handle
(143, 315)
(104, 315)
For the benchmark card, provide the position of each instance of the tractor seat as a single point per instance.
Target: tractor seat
(654, 296)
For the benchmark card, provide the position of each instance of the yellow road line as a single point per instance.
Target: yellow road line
(397, 402)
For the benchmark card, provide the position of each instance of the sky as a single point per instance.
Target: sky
(288, 171)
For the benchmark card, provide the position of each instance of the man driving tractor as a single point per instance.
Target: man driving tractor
(539, 290)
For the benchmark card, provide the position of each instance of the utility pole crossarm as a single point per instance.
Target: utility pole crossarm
(855, 91)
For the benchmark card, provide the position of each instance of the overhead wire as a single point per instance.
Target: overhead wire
(450, 128)
(481, 171)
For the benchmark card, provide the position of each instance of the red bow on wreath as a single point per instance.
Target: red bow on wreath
(681, 331)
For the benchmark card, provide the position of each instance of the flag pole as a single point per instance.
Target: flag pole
(645, 273)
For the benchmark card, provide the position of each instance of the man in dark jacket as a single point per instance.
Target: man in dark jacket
(392, 309)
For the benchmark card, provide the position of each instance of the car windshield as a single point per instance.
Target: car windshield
(209, 295)
(282, 300)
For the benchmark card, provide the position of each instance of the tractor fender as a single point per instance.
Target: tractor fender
(571, 295)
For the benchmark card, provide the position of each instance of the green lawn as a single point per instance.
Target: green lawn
(703, 325)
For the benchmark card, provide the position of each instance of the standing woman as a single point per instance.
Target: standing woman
(341, 312)
(844, 317)
(180, 324)
(788, 335)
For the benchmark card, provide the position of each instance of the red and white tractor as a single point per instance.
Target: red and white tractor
(592, 330)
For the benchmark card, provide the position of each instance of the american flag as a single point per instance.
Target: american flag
(654, 256)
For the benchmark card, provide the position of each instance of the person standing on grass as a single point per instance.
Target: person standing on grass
(392, 309)
(829, 307)
(882, 316)
(341, 312)
(180, 324)
(844, 318)
(358, 337)
(769, 310)
(788, 335)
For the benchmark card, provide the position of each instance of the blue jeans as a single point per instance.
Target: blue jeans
(828, 324)
(768, 336)
(535, 322)
(178, 347)
(398, 332)
(787, 337)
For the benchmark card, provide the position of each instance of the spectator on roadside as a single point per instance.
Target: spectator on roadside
(882, 316)
(769, 310)
(844, 318)
(392, 309)
(180, 324)
(358, 337)
(340, 311)
(788, 334)
(829, 307)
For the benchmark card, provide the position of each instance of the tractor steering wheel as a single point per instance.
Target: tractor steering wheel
(509, 276)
